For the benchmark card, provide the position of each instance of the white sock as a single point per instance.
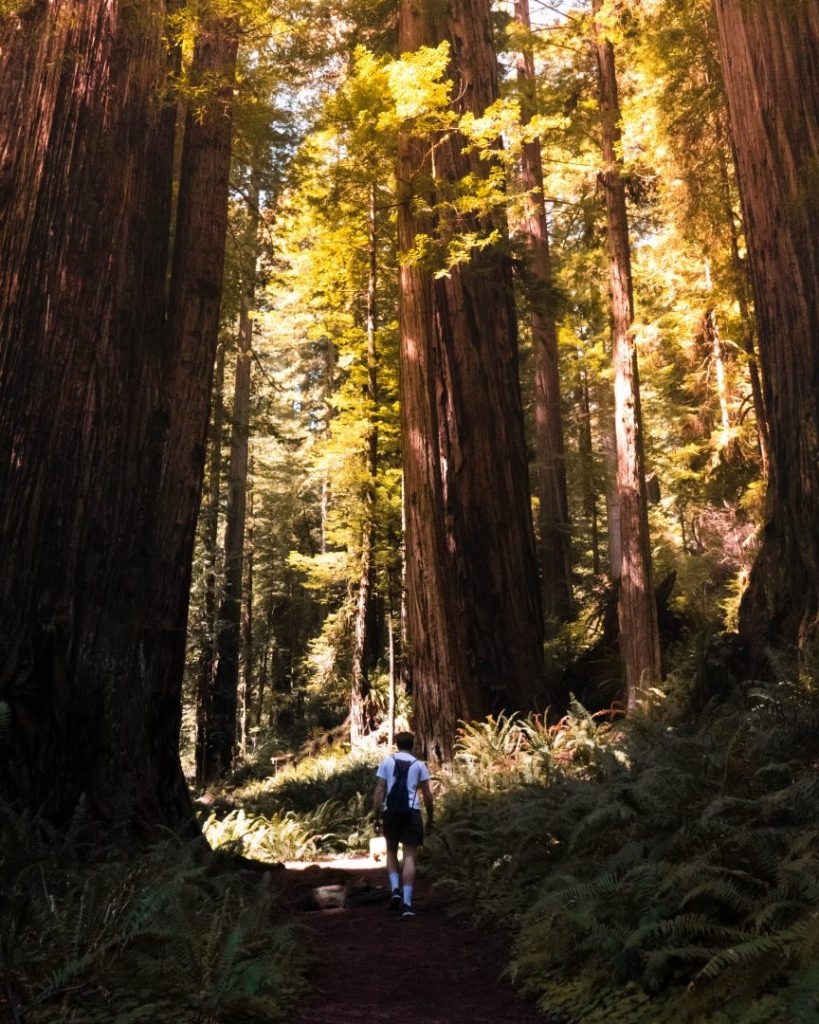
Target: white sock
(395, 880)
(408, 895)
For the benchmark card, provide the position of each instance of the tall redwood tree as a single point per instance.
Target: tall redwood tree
(636, 606)
(103, 406)
(473, 602)
(770, 55)
(86, 187)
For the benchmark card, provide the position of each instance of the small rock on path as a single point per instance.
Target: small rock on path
(373, 968)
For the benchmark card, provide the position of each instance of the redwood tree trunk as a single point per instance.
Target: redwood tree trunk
(770, 55)
(555, 526)
(85, 175)
(473, 601)
(637, 610)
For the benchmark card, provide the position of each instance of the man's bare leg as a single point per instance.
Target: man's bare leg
(394, 871)
(408, 874)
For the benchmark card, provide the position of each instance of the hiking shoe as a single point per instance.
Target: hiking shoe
(395, 901)
(407, 911)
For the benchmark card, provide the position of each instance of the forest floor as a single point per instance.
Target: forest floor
(370, 967)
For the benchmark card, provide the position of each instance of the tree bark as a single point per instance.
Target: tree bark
(85, 189)
(637, 612)
(223, 720)
(473, 600)
(770, 56)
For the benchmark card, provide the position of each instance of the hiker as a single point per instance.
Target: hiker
(396, 800)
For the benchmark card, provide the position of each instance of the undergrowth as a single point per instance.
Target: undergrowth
(167, 936)
(650, 871)
(319, 806)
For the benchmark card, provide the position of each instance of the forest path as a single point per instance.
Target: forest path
(373, 968)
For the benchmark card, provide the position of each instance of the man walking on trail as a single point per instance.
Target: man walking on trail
(396, 798)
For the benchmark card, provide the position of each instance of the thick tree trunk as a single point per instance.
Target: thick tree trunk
(207, 654)
(637, 611)
(474, 610)
(222, 730)
(770, 55)
(361, 710)
(85, 175)
(554, 522)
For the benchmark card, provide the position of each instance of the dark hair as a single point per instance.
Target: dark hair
(405, 741)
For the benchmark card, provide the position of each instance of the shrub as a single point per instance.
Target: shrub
(162, 936)
(649, 872)
(314, 808)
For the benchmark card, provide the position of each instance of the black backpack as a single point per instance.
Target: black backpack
(398, 801)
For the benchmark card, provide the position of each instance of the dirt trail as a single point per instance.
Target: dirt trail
(372, 968)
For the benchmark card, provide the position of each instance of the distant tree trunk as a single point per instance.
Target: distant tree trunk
(247, 623)
(207, 654)
(403, 616)
(608, 444)
(770, 56)
(555, 525)
(709, 329)
(391, 692)
(587, 460)
(85, 188)
(329, 388)
(637, 611)
(222, 730)
(264, 668)
(361, 709)
(473, 596)
(746, 314)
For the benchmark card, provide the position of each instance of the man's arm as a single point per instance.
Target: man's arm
(426, 793)
(378, 797)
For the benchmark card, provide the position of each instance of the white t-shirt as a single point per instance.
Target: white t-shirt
(418, 773)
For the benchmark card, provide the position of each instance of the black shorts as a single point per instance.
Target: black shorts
(406, 827)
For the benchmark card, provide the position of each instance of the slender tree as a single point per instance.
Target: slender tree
(222, 724)
(555, 526)
(473, 601)
(360, 702)
(211, 529)
(637, 611)
(770, 56)
(248, 661)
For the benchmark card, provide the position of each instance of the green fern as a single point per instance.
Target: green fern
(671, 877)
